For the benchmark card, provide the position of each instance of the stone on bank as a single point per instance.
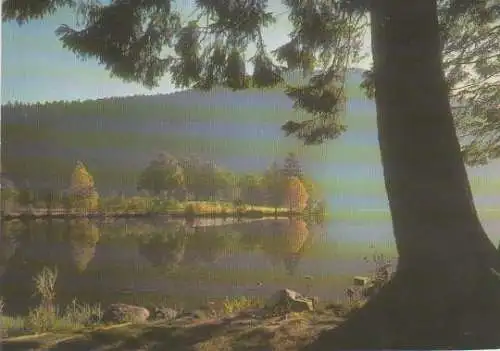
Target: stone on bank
(121, 313)
(289, 301)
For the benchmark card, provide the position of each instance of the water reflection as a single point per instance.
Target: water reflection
(8, 243)
(209, 244)
(286, 243)
(164, 248)
(69, 246)
(82, 237)
(128, 260)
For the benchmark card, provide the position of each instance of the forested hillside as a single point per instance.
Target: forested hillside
(117, 137)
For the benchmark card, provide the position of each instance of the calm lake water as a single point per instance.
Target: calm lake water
(157, 260)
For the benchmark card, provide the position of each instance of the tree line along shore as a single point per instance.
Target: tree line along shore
(181, 188)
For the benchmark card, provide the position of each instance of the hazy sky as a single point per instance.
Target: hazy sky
(35, 67)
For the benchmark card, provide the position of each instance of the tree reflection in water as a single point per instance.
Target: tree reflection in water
(165, 248)
(97, 260)
(83, 236)
(67, 245)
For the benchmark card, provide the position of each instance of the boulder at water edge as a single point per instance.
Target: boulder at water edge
(287, 300)
(121, 313)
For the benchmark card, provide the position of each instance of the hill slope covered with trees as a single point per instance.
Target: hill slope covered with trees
(117, 137)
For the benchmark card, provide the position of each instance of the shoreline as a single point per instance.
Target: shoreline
(240, 305)
(251, 214)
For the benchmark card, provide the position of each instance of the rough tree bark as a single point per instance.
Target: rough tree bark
(444, 293)
(434, 218)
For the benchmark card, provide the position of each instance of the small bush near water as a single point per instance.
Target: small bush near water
(47, 316)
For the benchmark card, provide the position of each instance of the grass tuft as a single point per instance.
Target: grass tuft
(240, 303)
(47, 316)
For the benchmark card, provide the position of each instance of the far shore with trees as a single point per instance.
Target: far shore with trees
(186, 188)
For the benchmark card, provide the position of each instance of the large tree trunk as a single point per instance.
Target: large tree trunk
(434, 219)
(443, 294)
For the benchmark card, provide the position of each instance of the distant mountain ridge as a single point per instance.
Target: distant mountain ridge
(241, 131)
(116, 137)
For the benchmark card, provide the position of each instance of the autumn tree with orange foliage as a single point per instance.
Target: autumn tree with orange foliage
(296, 195)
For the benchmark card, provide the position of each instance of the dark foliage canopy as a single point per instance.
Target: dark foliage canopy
(142, 40)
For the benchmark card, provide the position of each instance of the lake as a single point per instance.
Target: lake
(161, 261)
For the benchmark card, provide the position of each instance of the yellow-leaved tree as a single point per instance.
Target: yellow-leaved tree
(296, 195)
(82, 192)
